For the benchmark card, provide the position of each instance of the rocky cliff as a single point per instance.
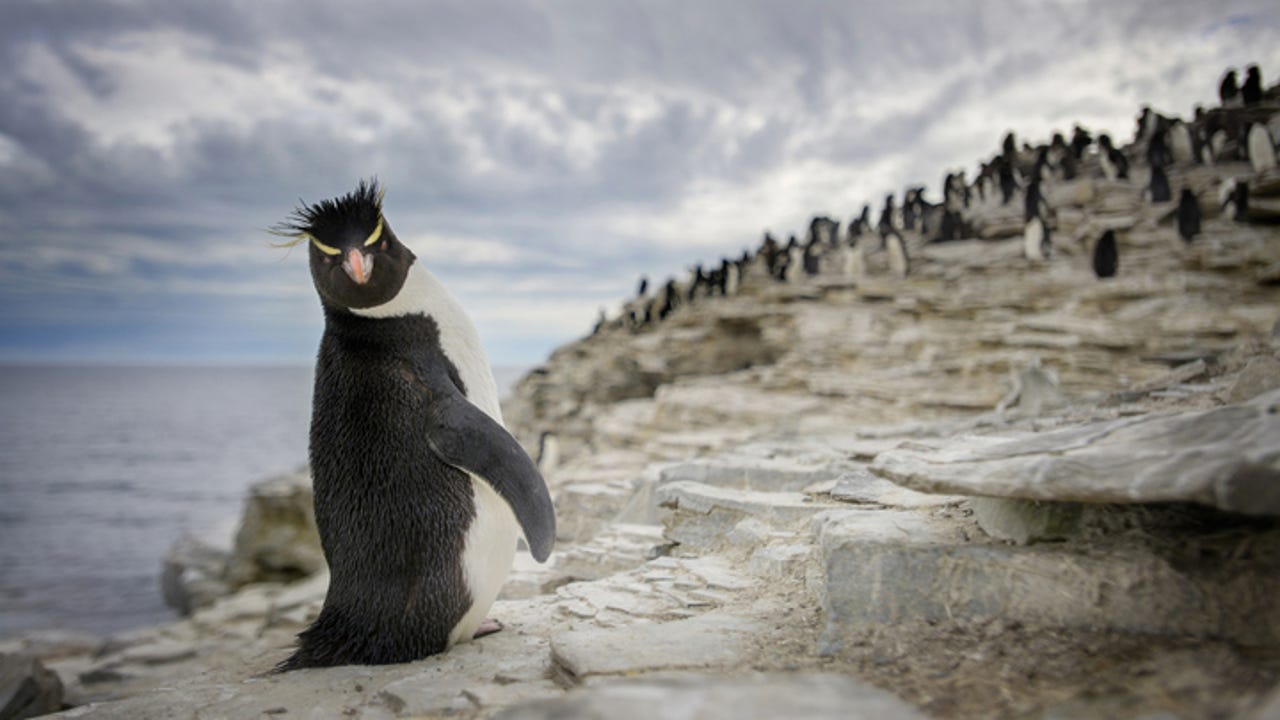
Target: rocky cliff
(995, 487)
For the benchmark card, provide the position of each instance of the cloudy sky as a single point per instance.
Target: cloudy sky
(539, 156)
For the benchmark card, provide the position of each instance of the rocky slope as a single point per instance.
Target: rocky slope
(996, 487)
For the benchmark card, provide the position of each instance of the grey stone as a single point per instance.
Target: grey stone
(785, 560)
(277, 539)
(49, 645)
(711, 640)
(27, 688)
(1227, 457)
(863, 486)
(1035, 390)
(699, 697)
(888, 567)
(774, 468)
(1025, 521)
(1261, 374)
(192, 574)
(704, 515)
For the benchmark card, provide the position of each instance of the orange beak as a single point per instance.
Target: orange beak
(358, 267)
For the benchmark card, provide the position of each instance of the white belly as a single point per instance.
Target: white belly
(491, 540)
(486, 557)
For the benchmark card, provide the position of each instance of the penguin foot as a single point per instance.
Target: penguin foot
(488, 627)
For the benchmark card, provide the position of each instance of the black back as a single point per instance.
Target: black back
(1228, 89)
(1080, 141)
(1188, 216)
(1251, 91)
(1159, 187)
(1106, 258)
(392, 515)
(1033, 200)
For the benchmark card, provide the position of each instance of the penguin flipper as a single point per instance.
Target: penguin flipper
(465, 437)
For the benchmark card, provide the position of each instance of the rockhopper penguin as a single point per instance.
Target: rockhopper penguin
(420, 493)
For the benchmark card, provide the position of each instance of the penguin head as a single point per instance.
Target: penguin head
(356, 259)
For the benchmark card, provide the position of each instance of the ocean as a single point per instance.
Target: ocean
(102, 468)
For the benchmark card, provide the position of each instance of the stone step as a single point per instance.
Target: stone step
(886, 567)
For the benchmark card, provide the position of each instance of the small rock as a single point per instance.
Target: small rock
(277, 540)
(1025, 521)
(710, 640)
(27, 688)
(1258, 376)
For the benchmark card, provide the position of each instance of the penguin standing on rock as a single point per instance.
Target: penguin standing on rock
(899, 261)
(1158, 190)
(1251, 91)
(1229, 90)
(1036, 244)
(1261, 148)
(1233, 197)
(1115, 166)
(420, 492)
(1188, 216)
(1106, 257)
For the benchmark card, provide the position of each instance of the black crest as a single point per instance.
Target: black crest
(358, 211)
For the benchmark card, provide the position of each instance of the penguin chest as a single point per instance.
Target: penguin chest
(487, 554)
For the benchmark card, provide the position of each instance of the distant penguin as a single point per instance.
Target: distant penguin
(420, 492)
(1158, 189)
(548, 452)
(1115, 166)
(1033, 202)
(644, 286)
(1251, 91)
(1080, 141)
(1008, 183)
(951, 226)
(1036, 245)
(668, 299)
(899, 262)
(812, 257)
(909, 209)
(733, 277)
(852, 263)
(1158, 153)
(1188, 216)
(795, 260)
(860, 225)
(1181, 146)
(697, 281)
(1009, 147)
(1233, 197)
(1229, 90)
(888, 215)
(1106, 257)
(1262, 149)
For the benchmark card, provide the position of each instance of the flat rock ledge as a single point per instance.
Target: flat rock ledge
(1227, 457)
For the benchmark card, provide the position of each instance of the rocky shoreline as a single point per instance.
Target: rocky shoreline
(997, 487)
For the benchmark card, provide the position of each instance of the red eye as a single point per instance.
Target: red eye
(384, 244)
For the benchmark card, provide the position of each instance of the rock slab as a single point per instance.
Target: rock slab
(1226, 457)
(27, 688)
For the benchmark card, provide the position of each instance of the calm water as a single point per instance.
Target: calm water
(102, 468)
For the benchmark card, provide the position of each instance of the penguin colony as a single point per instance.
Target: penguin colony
(420, 492)
(1243, 128)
